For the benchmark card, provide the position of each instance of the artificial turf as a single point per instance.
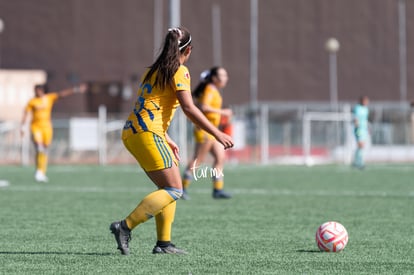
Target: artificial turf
(268, 227)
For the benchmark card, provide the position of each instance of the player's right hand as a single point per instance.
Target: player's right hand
(226, 140)
(227, 112)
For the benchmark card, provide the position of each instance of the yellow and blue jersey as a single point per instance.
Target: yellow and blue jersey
(41, 109)
(155, 107)
(144, 131)
(212, 98)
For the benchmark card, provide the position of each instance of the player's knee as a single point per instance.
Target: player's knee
(175, 193)
(40, 148)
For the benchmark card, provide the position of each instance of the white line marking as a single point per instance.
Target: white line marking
(4, 183)
(241, 191)
(87, 169)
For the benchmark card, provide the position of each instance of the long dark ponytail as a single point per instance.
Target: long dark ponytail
(168, 61)
(205, 79)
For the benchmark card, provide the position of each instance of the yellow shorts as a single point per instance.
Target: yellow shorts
(150, 150)
(42, 134)
(202, 136)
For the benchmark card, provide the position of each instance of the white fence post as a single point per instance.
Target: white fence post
(102, 116)
(306, 136)
(264, 134)
(348, 135)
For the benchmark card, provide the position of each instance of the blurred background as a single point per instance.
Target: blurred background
(296, 69)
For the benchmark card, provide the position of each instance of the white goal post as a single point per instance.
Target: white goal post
(345, 148)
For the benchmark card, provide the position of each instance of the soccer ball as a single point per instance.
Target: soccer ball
(331, 237)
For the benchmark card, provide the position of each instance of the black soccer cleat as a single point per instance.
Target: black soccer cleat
(122, 237)
(220, 194)
(170, 249)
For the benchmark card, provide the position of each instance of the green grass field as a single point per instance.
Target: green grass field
(268, 227)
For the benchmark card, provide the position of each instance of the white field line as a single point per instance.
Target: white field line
(241, 191)
(107, 169)
(136, 169)
(4, 183)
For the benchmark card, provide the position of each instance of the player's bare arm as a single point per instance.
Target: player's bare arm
(75, 90)
(198, 118)
(208, 109)
(23, 123)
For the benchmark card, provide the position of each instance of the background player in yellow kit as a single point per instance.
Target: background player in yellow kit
(164, 86)
(209, 100)
(41, 125)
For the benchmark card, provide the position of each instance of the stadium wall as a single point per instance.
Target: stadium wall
(112, 41)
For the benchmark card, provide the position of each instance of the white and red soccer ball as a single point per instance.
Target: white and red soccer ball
(331, 237)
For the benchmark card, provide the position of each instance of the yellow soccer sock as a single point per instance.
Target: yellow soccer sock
(149, 207)
(218, 184)
(186, 183)
(37, 160)
(186, 179)
(164, 222)
(41, 162)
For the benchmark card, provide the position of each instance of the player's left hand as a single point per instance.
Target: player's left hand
(174, 148)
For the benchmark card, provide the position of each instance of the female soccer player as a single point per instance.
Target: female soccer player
(361, 131)
(164, 86)
(41, 126)
(209, 100)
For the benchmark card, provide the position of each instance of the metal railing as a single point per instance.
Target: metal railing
(269, 133)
